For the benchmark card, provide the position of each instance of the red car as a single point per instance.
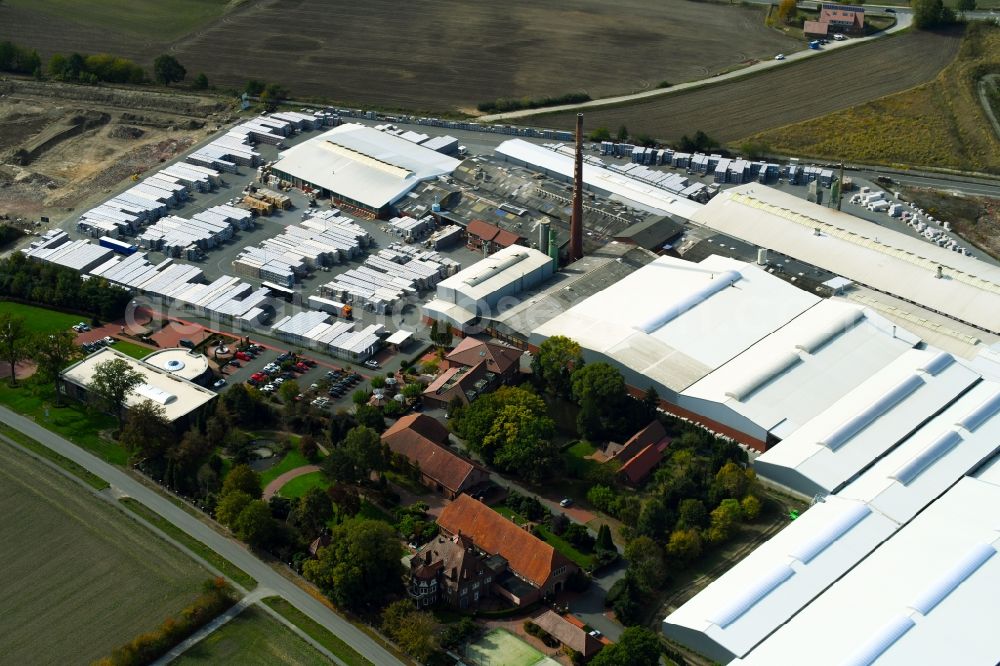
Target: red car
(301, 367)
(258, 376)
(243, 356)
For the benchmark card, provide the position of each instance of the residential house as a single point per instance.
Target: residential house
(641, 453)
(460, 382)
(451, 570)
(843, 18)
(569, 631)
(422, 440)
(501, 360)
(534, 568)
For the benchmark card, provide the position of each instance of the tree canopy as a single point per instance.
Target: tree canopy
(555, 361)
(357, 457)
(53, 352)
(637, 646)
(930, 14)
(13, 342)
(242, 478)
(147, 432)
(415, 631)
(167, 70)
(113, 382)
(361, 567)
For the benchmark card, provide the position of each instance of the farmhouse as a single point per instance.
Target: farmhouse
(422, 440)
(641, 453)
(534, 568)
(178, 397)
(843, 18)
(361, 168)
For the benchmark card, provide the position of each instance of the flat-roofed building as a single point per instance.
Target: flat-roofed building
(178, 397)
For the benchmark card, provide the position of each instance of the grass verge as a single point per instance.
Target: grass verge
(132, 349)
(43, 451)
(71, 419)
(938, 124)
(316, 631)
(192, 544)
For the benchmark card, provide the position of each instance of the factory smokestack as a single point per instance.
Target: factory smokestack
(576, 221)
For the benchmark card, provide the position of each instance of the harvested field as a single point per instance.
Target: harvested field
(777, 97)
(79, 576)
(439, 56)
(252, 638)
(939, 124)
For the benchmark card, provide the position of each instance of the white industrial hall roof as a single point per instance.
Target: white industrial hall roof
(771, 584)
(926, 596)
(178, 397)
(674, 321)
(364, 164)
(620, 186)
(889, 261)
(785, 379)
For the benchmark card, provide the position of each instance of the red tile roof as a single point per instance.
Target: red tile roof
(853, 16)
(506, 238)
(416, 437)
(528, 556)
(815, 28)
(639, 467)
(499, 358)
(651, 434)
(482, 229)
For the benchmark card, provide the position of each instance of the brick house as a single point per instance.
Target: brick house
(534, 569)
(422, 441)
(452, 571)
(501, 360)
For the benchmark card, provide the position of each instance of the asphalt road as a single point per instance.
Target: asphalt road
(228, 548)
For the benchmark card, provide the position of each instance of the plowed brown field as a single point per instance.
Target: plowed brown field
(784, 95)
(439, 55)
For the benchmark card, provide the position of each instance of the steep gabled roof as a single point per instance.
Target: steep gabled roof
(569, 633)
(528, 556)
(417, 440)
(470, 352)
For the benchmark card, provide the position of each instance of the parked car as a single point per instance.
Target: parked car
(372, 363)
(243, 356)
(108, 340)
(565, 502)
(82, 326)
(219, 383)
(301, 367)
(235, 363)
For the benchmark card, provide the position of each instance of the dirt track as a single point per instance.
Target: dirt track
(797, 92)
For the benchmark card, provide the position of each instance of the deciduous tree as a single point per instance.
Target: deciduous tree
(255, 525)
(53, 352)
(147, 432)
(312, 512)
(684, 545)
(415, 631)
(112, 383)
(646, 564)
(167, 70)
(361, 567)
(13, 342)
(244, 479)
(724, 520)
(557, 358)
(230, 507)
(637, 646)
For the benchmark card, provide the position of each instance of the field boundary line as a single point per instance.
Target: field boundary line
(298, 631)
(39, 451)
(217, 623)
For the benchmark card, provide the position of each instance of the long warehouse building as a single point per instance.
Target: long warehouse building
(960, 287)
(361, 167)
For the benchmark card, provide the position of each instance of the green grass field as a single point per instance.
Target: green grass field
(155, 19)
(41, 320)
(292, 460)
(251, 638)
(79, 576)
(317, 632)
(132, 349)
(298, 486)
(502, 648)
(72, 420)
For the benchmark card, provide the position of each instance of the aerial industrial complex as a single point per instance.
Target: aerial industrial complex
(857, 363)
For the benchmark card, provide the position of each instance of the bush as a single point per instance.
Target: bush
(147, 648)
(505, 104)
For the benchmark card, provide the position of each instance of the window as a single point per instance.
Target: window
(475, 586)
(489, 579)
